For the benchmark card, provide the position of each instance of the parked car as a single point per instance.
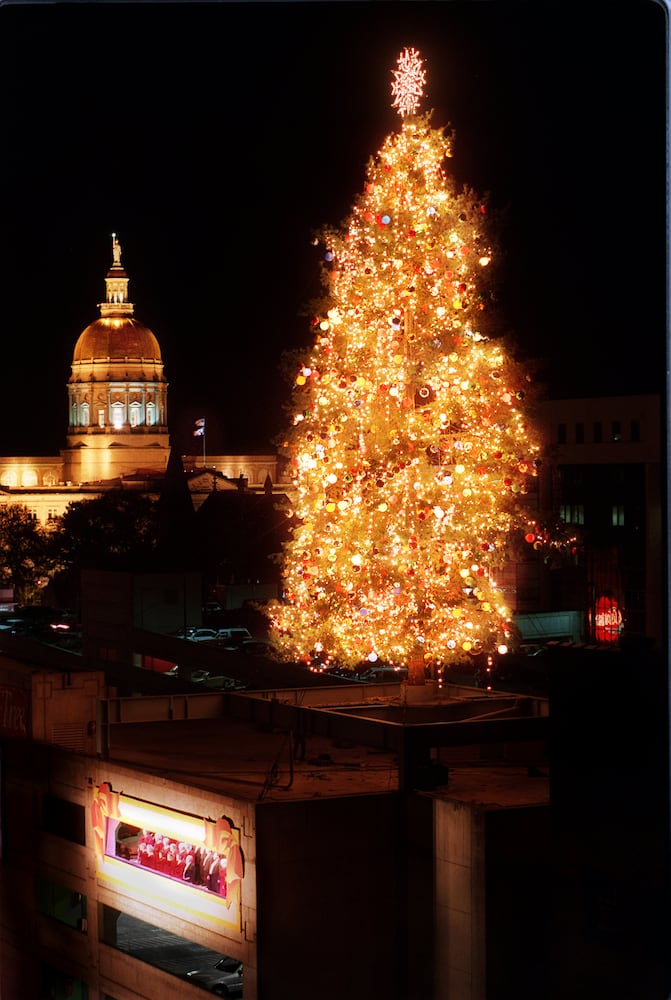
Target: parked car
(224, 979)
(212, 608)
(13, 625)
(258, 647)
(198, 676)
(377, 675)
(233, 638)
(184, 633)
(203, 635)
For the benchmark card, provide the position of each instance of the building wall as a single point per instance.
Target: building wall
(606, 453)
(492, 890)
(459, 902)
(324, 895)
(46, 486)
(331, 899)
(34, 775)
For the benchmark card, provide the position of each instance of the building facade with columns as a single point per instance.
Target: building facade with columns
(117, 426)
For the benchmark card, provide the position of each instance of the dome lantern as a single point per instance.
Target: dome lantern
(116, 283)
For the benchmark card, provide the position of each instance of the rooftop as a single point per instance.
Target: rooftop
(251, 748)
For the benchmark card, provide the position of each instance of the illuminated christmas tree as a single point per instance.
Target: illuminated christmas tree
(410, 449)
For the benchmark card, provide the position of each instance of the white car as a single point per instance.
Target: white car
(232, 638)
(203, 635)
(224, 979)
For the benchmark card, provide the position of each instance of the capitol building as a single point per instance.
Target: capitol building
(117, 430)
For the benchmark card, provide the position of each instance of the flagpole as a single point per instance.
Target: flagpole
(199, 431)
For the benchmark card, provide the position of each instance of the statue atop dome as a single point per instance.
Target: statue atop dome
(116, 250)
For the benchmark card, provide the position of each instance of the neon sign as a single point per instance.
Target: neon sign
(607, 619)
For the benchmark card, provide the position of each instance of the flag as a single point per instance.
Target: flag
(199, 428)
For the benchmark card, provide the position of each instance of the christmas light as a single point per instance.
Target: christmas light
(409, 80)
(411, 456)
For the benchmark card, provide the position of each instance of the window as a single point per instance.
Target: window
(616, 431)
(561, 433)
(117, 415)
(617, 516)
(64, 819)
(636, 430)
(62, 904)
(85, 415)
(168, 856)
(572, 513)
(60, 985)
(101, 418)
(597, 432)
(151, 414)
(134, 414)
(580, 433)
(180, 860)
(214, 972)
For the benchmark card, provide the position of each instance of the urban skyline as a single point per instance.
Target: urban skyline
(217, 148)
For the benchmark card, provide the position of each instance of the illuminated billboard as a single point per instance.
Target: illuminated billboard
(607, 619)
(170, 858)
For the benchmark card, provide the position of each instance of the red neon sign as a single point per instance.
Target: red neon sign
(607, 620)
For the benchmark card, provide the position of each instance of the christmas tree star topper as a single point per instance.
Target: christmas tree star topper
(409, 79)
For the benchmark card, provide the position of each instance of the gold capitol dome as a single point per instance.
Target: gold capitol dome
(117, 392)
(116, 335)
(117, 431)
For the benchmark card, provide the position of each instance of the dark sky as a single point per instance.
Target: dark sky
(216, 139)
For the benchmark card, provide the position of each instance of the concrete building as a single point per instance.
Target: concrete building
(370, 840)
(375, 840)
(605, 480)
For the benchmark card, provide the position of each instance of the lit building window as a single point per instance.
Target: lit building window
(101, 418)
(185, 859)
(117, 415)
(572, 513)
(151, 414)
(134, 415)
(617, 515)
(85, 415)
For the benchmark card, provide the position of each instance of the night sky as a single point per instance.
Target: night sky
(215, 140)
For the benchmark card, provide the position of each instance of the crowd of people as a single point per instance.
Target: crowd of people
(177, 859)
